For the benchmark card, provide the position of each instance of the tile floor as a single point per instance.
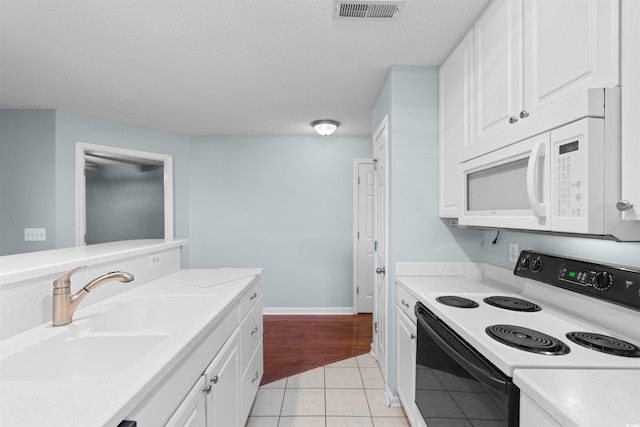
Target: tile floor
(349, 393)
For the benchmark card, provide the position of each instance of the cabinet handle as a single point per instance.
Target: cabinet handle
(255, 376)
(524, 114)
(214, 380)
(413, 337)
(406, 304)
(513, 119)
(207, 389)
(253, 296)
(254, 330)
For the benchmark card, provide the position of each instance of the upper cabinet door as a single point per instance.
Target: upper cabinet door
(570, 46)
(498, 88)
(630, 193)
(456, 82)
(534, 61)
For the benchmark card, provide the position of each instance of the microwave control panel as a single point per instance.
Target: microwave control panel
(570, 180)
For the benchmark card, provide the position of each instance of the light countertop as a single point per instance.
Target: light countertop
(106, 402)
(584, 397)
(29, 265)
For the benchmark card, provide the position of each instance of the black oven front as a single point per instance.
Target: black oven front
(455, 385)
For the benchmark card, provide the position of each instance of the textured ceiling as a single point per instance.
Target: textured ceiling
(215, 67)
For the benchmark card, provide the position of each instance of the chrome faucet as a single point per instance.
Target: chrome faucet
(65, 304)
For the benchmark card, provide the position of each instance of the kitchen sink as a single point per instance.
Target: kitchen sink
(152, 314)
(77, 357)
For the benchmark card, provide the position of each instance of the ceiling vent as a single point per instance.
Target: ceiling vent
(381, 10)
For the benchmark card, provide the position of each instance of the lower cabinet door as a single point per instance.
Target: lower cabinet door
(406, 368)
(222, 375)
(192, 410)
(250, 382)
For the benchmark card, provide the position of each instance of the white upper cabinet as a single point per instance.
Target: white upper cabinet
(570, 46)
(630, 192)
(456, 82)
(533, 63)
(498, 88)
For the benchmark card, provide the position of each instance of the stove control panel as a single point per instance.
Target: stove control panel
(616, 284)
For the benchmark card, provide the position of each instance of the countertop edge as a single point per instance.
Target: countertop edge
(21, 267)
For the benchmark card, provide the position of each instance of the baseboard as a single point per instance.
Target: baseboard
(308, 311)
(393, 400)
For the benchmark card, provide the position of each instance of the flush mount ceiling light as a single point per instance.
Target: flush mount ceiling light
(325, 127)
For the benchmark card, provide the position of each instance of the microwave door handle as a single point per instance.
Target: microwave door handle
(480, 374)
(533, 171)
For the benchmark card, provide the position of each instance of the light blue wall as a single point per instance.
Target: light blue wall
(285, 204)
(27, 179)
(409, 97)
(606, 251)
(73, 127)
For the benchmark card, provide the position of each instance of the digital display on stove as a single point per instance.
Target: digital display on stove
(574, 275)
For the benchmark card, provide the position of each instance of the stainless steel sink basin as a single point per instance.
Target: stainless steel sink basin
(77, 357)
(152, 314)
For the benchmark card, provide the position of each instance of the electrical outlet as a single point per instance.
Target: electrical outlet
(513, 252)
(154, 260)
(35, 234)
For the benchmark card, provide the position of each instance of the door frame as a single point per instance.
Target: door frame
(356, 196)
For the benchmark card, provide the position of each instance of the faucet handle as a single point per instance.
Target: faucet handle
(65, 280)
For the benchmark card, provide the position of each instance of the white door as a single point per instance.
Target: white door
(380, 151)
(364, 238)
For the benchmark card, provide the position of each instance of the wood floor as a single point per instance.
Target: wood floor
(294, 344)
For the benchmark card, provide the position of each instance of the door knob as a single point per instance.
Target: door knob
(624, 205)
(381, 270)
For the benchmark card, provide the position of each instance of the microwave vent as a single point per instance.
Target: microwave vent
(388, 10)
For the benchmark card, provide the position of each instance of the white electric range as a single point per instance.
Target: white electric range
(466, 355)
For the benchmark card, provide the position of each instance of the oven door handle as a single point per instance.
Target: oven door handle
(480, 374)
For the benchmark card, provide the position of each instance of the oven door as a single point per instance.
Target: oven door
(455, 385)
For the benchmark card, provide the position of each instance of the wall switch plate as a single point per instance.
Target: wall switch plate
(513, 252)
(35, 234)
(154, 260)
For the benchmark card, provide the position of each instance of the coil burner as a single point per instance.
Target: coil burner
(527, 339)
(456, 301)
(511, 303)
(604, 344)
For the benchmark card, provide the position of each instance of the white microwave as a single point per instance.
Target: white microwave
(566, 181)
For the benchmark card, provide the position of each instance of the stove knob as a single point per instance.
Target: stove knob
(602, 281)
(524, 262)
(536, 265)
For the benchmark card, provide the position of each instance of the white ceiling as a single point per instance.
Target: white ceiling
(216, 67)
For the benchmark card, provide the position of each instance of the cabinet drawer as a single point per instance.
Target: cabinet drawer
(250, 382)
(250, 333)
(249, 299)
(406, 302)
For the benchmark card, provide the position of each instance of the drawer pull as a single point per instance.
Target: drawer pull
(254, 330)
(255, 376)
(405, 303)
(207, 389)
(413, 337)
(214, 380)
(253, 296)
